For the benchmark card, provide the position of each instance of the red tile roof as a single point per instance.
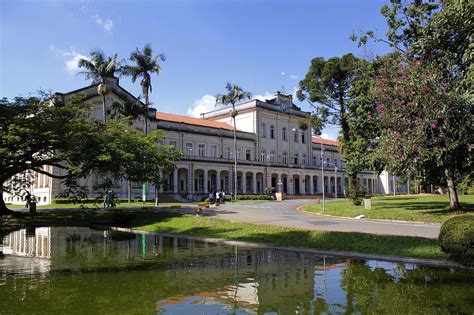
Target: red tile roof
(192, 121)
(325, 141)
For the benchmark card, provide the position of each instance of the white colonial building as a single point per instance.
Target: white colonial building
(273, 153)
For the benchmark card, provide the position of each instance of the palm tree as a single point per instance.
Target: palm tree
(145, 65)
(234, 95)
(99, 68)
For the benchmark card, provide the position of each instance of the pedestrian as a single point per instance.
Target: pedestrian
(211, 198)
(218, 202)
(28, 200)
(223, 196)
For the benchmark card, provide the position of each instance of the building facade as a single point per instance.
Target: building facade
(273, 153)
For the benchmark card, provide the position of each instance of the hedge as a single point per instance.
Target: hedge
(243, 197)
(456, 238)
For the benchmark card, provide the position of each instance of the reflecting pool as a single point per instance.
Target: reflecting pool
(64, 270)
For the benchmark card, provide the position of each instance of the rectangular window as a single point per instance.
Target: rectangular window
(248, 154)
(303, 159)
(303, 138)
(272, 132)
(263, 131)
(296, 136)
(284, 158)
(262, 155)
(283, 134)
(227, 154)
(173, 143)
(315, 160)
(189, 148)
(295, 158)
(201, 149)
(239, 153)
(213, 151)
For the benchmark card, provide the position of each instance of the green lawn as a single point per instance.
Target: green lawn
(281, 236)
(216, 228)
(120, 205)
(408, 208)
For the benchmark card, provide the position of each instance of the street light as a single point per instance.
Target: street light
(322, 167)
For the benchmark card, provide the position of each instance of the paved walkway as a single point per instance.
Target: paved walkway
(285, 214)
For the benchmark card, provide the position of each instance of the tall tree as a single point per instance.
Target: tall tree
(98, 69)
(145, 65)
(234, 95)
(37, 132)
(327, 87)
(434, 39)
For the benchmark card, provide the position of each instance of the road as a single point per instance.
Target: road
(285, 214)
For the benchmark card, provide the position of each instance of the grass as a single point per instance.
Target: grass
(120, 205)
(431, 208)
(358, 242)
(208, 227)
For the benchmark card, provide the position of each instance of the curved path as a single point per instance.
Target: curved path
(285, 214)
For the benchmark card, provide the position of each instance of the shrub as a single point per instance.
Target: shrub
(456, 238)
(355, 194)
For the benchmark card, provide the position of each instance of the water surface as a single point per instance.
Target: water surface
(68, 270)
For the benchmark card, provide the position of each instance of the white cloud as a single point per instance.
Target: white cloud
(325, 135)
(106, 24)
(72, 64)
(72, 58)
(202, 105)
(264, 97)
(293, 76)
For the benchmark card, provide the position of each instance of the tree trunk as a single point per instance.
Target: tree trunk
(453, 195)
(235, 160)
(3, 207)
(144, 185)
(104, 108)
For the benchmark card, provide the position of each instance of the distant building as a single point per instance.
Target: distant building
(272, 151)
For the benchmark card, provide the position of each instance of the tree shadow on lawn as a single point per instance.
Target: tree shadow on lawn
(413, 205)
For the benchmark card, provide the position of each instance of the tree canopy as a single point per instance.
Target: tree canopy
(38, 131)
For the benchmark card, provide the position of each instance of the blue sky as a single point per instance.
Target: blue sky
(207, 43)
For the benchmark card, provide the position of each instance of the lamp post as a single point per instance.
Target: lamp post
(322, 168)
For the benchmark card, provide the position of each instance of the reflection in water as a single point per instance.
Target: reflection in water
(64, 270)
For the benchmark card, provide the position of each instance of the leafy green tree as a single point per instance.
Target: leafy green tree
(145, 65)
(429, 88)
(130, 109)
(426, 122)
(98, 69)
(234, 95)
(327, 88)
(37, 132)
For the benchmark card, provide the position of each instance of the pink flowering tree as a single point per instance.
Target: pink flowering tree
(426, 122)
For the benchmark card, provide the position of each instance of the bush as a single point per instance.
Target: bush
(254, 197)
(456, 238)
(355, 194)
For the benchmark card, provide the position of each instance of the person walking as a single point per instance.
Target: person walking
(218, 202)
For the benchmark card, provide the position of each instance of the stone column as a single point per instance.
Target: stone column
(311, 185)
(175, 181)
(254, 182)
(206, 186)
(244, 183)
